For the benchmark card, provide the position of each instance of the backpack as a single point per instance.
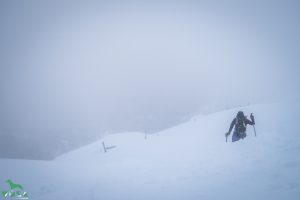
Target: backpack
(240, 125)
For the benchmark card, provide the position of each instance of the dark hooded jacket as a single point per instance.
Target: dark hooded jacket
(240, 123)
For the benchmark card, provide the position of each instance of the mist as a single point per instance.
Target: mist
(72, 73)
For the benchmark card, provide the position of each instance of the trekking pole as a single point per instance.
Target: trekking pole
(252, 118)
(254, 130)
(226, 136)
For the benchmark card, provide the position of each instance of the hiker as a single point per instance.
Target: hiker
(240, 123)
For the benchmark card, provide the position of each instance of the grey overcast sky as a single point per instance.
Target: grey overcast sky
(71, 71)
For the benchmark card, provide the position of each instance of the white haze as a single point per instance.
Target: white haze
(71, 72)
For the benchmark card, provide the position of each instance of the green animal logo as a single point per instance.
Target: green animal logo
(14, 185)
(16, 191)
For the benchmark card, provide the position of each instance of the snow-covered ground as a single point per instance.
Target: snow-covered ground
(190, 161)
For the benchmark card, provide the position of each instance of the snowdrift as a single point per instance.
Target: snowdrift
(189, 161)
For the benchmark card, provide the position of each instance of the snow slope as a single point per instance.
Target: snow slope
(189, 161)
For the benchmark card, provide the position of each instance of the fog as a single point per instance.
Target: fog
(73, 72)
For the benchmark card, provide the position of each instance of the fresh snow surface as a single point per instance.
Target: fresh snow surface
(190, 161)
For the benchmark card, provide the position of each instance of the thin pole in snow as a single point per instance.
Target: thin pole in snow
(104, 147)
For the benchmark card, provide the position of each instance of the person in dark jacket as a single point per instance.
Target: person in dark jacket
(239, 123)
